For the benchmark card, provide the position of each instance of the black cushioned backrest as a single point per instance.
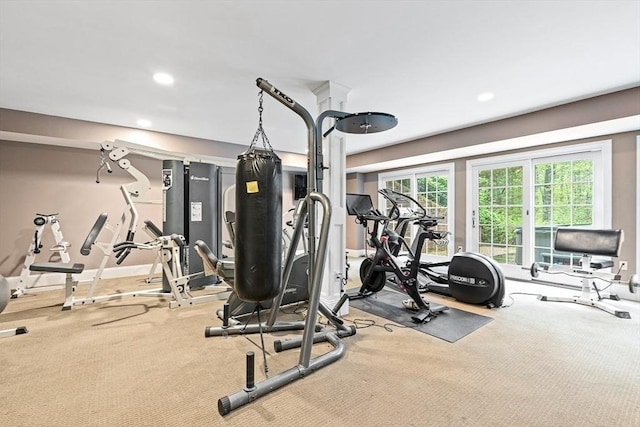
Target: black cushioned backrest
(589, 241)
(230, 220)
(93, 234)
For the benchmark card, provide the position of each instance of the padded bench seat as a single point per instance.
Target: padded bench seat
(57, 267)
(61, 267)
(589, 242)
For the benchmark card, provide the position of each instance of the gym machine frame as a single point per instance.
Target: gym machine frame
(169, 249)
(61, 246)
(360, 123)
(136, 191)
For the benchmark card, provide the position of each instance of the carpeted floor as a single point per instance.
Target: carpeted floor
(138, 363)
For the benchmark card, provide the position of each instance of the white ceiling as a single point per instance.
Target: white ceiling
(423, 61)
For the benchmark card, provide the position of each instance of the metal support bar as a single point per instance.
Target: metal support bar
(300, 214)
(282, 345)
(254, 328)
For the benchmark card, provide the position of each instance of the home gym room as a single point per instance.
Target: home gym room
(361, 213)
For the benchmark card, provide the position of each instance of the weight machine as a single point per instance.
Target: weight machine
(588, 243)
(190, 190)
(137, 191)
(133, 192)
(170, 248)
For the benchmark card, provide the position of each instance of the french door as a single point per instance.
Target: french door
(518, 202)
(499, 212)
(432, 191)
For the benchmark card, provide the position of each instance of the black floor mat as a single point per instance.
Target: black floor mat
(450, 325)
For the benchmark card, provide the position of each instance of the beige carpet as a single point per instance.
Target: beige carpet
(136, 362)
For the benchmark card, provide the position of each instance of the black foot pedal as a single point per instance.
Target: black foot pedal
(423, 316)
(437, 308)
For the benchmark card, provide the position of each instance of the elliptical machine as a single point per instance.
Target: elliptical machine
(468, 277)
(297, 290)
(374, 269)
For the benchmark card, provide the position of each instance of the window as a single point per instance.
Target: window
(403, 186)
(563, 196)
(432, 192)
(500, 208)
(433, 188)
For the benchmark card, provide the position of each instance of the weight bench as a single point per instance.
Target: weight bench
(588, 243)
(58, 267)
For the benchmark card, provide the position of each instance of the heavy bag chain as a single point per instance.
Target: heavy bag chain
(260, 132)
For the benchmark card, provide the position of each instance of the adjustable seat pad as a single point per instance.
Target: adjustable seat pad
(589, 241)
(57, 267)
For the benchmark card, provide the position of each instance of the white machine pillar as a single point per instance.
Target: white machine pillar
(332, 96)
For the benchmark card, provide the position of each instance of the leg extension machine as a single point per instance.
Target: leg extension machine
(588, 242)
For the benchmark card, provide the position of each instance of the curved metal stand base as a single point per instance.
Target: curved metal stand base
(229, 403)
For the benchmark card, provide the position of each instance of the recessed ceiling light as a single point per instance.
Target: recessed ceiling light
(163, 79)
(484, 97)
(144, 123)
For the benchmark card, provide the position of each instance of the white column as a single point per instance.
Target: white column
(332, 96)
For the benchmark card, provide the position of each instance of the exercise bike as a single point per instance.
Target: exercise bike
(296, 290)
(383, 262)
(468, 277)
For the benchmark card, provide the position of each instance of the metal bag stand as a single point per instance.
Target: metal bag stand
(354, 123)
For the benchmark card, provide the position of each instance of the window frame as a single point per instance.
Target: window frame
(447, 169)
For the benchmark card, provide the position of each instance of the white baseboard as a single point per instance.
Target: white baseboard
(356, 253)
(53, 279)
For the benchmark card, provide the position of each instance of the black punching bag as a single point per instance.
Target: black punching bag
(258, 245)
